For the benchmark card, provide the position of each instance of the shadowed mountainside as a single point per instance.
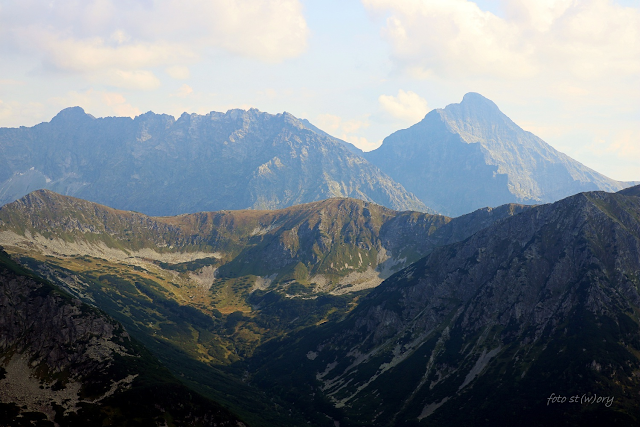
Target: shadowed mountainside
(631, 191)
(64, 362)
(484, 331)
(204, 291)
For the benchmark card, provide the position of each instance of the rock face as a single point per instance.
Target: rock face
(470, 155)
(487, 331)
(340, 245)
(204, 291)
(162, 166)
(64, 363)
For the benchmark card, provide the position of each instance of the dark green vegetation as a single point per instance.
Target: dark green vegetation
(162, 166)
(508, 308)
(65, 362)
(485, 331)
(204, 291)
(470, 155)
(318, 245)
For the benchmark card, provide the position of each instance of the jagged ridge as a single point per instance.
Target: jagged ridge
(162, 166)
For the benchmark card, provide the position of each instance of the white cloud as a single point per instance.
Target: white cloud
(133, 36)
(332, 123)
(448, 38)
(14, 113)
(11, 82)
(5, 110)
(626, 144)
(91, 54)
(184, 91)
(328, 122)
(270, 93)
(540, 14)
(270, 30)
(406, 106)
(354, 125)
(616, 151)
(179, 72)
(452, 37)
(346, 130)
(135, 79)
(119, 36)
(361, 142)
(336, 125)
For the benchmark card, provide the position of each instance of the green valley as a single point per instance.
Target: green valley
(204, 291)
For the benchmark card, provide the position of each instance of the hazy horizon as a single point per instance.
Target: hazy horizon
(565, 70)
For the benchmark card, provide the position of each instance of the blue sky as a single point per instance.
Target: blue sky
(566, 70)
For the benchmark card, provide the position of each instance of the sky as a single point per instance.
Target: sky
(565, 70)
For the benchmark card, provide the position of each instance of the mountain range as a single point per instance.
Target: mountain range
(494, 330)
(162, 166)
(510, 306)
(326, 245)
(278, 276)
(203, 291)
(456, 160)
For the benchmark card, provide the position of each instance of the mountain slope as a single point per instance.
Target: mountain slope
(204, 291)
(631, 191)
(335, 241)
(471, 155)
(485, 331)
(64, 362)
(162, 166)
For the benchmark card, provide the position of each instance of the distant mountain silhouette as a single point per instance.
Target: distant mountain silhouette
(162, 166)
(471, 155)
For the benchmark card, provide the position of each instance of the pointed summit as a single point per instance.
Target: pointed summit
(471, 155)
(474, 99)
(474, 114)
(476, 104)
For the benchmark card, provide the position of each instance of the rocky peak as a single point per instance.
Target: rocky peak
(476, 118)
(71, 114)
(471, 155)
(475, 101)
